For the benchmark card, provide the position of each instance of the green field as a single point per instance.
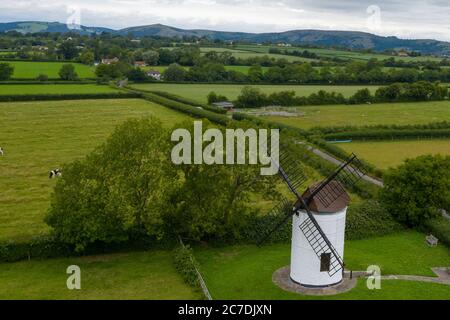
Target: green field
(30, 70)
(199, 92)
(361, 115)
(41, 136)
(395, 152)
(142, 275)
(12, 89)
(245, 54)
(333, 53)
(245, 272)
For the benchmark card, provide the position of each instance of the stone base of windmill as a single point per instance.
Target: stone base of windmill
(282, 278)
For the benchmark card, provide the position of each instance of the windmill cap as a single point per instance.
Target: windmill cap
(338, 204)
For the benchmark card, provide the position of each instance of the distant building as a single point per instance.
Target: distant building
(154, 74)
(110, 61)
(224, 105)
(403, 54)
(139, 64)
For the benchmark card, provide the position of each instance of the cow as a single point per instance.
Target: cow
(55, 173)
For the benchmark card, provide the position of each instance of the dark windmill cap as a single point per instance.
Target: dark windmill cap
(340, 201)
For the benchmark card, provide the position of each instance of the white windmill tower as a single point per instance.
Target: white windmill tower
(318, 224)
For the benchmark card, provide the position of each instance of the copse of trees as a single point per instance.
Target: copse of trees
(67, 72)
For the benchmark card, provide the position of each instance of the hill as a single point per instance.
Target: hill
(345, 39)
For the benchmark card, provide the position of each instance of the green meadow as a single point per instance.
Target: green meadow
(40, 136)
(362, 115)
(31, 69)
(395, 152)
(199, 92)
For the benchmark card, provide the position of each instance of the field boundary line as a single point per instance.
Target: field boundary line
(199, 276)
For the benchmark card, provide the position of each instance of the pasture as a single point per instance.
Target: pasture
(31, 69)
(41, 136)
(199, 92)
(335, 53)
(122, 276)
(362, 115)
(245, 271)
(395, 152)
(13, 89)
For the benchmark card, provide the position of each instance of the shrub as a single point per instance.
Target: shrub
(186, 265)
(369, 219)
(68, 72)
(42, 77)
(440, 228)
(213, 98)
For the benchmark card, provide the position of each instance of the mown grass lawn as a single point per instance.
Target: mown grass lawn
(245, 272)
(139, 275)
(13, 89)
(31, 69)
(200, 92)
(396, 152)
(41, 136)
(362, 115)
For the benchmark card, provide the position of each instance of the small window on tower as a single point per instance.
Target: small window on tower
(325, 259)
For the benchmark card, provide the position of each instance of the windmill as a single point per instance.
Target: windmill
(318, 226)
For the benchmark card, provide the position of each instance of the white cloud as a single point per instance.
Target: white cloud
(407, 19)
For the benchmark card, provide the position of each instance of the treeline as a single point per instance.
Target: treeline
(370, 72)
(399, 92)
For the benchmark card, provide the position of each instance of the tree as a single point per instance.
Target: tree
(213, 97)
(255, 73)
(251, 98)
(67, 72)
(416, 190)
(137, 74)
(87, 57)
(175, 72)
(117, 189)
(6, 71)
(151, 57)
(68, 50)
(361, 96)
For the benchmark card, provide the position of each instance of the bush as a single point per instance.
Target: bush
(213, 98)
(67, 72)
(42, 77)
(186, 265)
(369, 219)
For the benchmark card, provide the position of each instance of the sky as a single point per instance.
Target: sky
(411, 19)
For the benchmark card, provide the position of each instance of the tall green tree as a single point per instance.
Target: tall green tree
(67, 72)
(6, 71)
(416, 190)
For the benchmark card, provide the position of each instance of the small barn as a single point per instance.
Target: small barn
(154, 74)
(229, 106)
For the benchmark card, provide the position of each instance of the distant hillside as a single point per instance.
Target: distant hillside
(348, 39)
(35, 26)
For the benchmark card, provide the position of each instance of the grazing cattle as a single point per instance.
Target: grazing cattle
(55, 173)
(2, 152)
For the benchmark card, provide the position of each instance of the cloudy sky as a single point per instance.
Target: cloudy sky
(402, 18)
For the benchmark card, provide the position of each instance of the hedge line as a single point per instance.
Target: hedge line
(187, 109)
(74, 96)
(177, 98)
(239, 116)
(383, 134)
(36, 82)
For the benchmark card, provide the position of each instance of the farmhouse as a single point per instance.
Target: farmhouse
(139, 64)
(229, 106)
(110, 61)
(154, 74)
